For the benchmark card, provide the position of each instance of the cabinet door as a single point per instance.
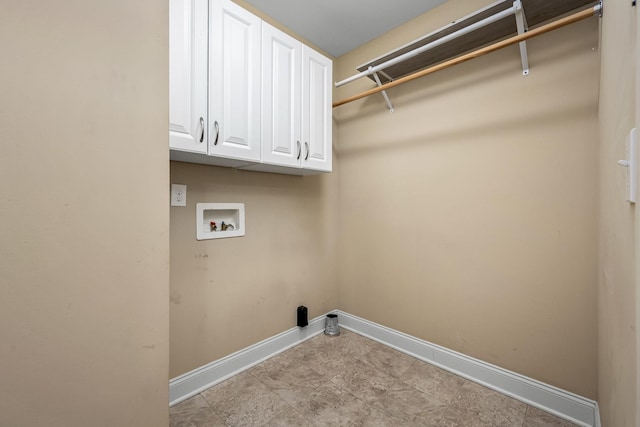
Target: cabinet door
(234, 79)
(317, 76)
(281, 98)
(188, 23)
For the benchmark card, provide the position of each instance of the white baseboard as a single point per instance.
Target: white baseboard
(566, 405)
(579, 410)
(200, 379)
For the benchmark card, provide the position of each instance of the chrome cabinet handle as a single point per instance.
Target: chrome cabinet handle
(306, 145)
(202, 129)
(217, 132)
(299, 150)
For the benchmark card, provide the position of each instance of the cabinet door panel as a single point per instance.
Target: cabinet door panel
(188, 75)
(281, 85)
(317, 75)
(234, 66)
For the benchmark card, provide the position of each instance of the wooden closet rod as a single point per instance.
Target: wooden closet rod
(579, 16)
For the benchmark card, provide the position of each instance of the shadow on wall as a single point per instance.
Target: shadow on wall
(424, 135)
(249, 181)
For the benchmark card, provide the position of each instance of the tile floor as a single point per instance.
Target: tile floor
(350, 380)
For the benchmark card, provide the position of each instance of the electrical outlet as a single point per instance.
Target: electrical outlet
(178, 195)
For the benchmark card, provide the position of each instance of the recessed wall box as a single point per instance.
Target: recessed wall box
(219, 220)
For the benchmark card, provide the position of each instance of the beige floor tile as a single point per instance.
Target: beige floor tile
(356, 345)
(245, 403)
(284, 360)
(389, 360)
(323, 354)
(378, 417)
(193, 412)
(346, 344)
(434, 381)
(331, 406)
(407, 406)
(228, 388)
(537, 418)
(288, 417)
(456, 418)
(363, 381)
(476, 405)
(291, 381)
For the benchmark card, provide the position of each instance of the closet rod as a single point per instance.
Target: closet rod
(579, 16)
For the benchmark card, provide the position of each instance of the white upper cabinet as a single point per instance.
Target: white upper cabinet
(188, 23)
(281, 98)
(234, 79)
(296, 106)
(317, 80)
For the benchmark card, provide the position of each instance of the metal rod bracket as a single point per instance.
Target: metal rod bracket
(384, 92)
(521, 25)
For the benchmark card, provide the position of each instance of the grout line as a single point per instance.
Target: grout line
(443, 414)
(220, 417)
(451, 402)
(524, 418)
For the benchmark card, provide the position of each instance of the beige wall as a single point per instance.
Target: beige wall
(618, 222)
(227, 294)
(468, 216)
(83, 213)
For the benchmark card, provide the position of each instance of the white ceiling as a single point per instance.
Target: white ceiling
(338, 26)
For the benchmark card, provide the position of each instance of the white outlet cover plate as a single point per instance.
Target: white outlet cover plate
(178, 195)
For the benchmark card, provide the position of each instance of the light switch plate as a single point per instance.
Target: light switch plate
(178, 195)
(632, 169)
(631, 164)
